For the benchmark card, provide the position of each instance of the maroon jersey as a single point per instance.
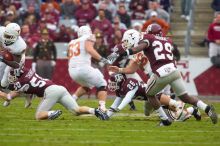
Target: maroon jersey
(120, 62)
(159, 52)
(129, 85)
(29, 82)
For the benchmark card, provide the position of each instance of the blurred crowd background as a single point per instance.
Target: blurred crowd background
(59, 20)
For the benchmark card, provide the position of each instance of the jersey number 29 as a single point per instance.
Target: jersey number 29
(159, 50)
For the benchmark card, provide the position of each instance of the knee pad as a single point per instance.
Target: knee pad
(102, 88)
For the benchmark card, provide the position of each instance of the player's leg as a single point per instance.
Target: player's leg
(70, 104)
(137, 77)
(51, 96)
(96, 78)
(80, 92)
(154, 85)
(179, 89)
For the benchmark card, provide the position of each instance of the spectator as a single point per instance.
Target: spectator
(51, 15)
(154, 19)
(63, 35)
(108, 14)
(44, 56)
(10, 16)
(134, 3)
(123, 15)
(214, 39)
(216, 5)
(68, 9)
(30, 11)
(85, 13)
(30, 38)
(44, 5)
(118, 25)
(138, 13)
(185, 9)
(111, 7)
(35, 3)
(103, 24)
(155, 6)
(165, 4)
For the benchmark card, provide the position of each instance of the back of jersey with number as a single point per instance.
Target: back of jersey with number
(77, 53)
(159, 52)
(29, 82)
(131, 84)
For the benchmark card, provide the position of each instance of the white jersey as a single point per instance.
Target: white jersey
(17, 48)
(77, 53)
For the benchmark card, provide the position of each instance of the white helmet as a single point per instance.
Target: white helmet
(11, 33)
(84, 30)
(130, 38)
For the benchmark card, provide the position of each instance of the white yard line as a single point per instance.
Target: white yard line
(108, 130)
(107, 142)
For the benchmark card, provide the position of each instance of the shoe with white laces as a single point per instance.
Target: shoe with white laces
(210, 111)
(6, 103)
(55, 115)
(101, 114)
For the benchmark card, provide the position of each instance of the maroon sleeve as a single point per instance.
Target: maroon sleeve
(211, 37)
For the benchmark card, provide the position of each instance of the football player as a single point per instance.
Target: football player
(27, 81)
(129, 89)
(158, 50)
(129, 39)
(80, 52)
(11, 41)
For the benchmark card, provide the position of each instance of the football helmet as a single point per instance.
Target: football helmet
(154, 29)
(84, 30)
(11, 33)
(116, 81)
(130, 38)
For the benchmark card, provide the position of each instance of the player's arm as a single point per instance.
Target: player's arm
(128, 98)
(131, 68)
(16, 62)
(114, 105)
(90, 49)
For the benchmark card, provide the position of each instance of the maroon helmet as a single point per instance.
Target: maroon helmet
(154, 29)
(116, 81)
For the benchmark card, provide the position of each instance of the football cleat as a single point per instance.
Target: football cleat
(132, 106)
(6, 103)
(210, 111)
(55, 115)
(101, 115)
(196, 113)
(166, 122)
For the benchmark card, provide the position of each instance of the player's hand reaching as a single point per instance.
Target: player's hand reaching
(114, 69)
(103, 61)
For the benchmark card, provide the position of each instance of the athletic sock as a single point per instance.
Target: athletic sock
(9, 96)
(190, 110)
(102, 105)
(162, 114)
(50, 113)
(173, 103)
(92, 111)
(200, 104)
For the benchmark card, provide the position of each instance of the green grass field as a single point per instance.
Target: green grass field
(18, 128)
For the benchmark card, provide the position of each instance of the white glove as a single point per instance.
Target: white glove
(53, 63)
(33, 66)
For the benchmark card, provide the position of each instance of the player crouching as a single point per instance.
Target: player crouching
(129, 89)
(29, 82)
